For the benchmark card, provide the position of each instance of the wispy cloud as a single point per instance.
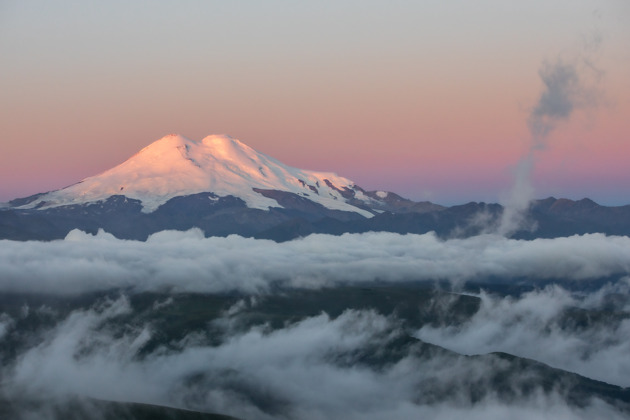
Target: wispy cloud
(569, 84)
(310, 369)
(550, 326)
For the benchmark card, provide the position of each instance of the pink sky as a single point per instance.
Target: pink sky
(429, 101)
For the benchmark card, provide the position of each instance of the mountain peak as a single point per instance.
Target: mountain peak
(168, 141)
(221, 140)
(224, 146)
(221, 146)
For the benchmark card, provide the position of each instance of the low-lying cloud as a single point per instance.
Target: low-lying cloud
(308, 370)
(314, 367)
(186, 261)
(552, 326)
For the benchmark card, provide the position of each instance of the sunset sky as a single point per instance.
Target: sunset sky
(427, 99)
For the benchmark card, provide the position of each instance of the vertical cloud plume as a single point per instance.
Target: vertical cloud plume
(557, 101)
(565, 90)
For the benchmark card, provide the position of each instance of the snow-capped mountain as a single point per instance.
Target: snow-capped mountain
(218, 184)
(224, 187)
(176, 166)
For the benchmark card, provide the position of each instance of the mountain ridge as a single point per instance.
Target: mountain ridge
(223, 187)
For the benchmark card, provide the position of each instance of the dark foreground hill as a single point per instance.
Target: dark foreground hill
(183, 325)
(222, 216)
(85, 408)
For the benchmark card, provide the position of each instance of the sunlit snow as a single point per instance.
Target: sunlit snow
(176, 166)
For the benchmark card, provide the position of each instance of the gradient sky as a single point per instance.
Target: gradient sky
(428, 99)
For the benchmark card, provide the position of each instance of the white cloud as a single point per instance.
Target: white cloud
(187, 261)
(535, 326)
(308, 370)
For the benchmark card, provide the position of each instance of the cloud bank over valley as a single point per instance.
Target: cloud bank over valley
(188, 262)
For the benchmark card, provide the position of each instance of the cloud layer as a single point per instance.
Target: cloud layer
(315, 367)
(551, 326)
(186, 261)
(311, 369)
